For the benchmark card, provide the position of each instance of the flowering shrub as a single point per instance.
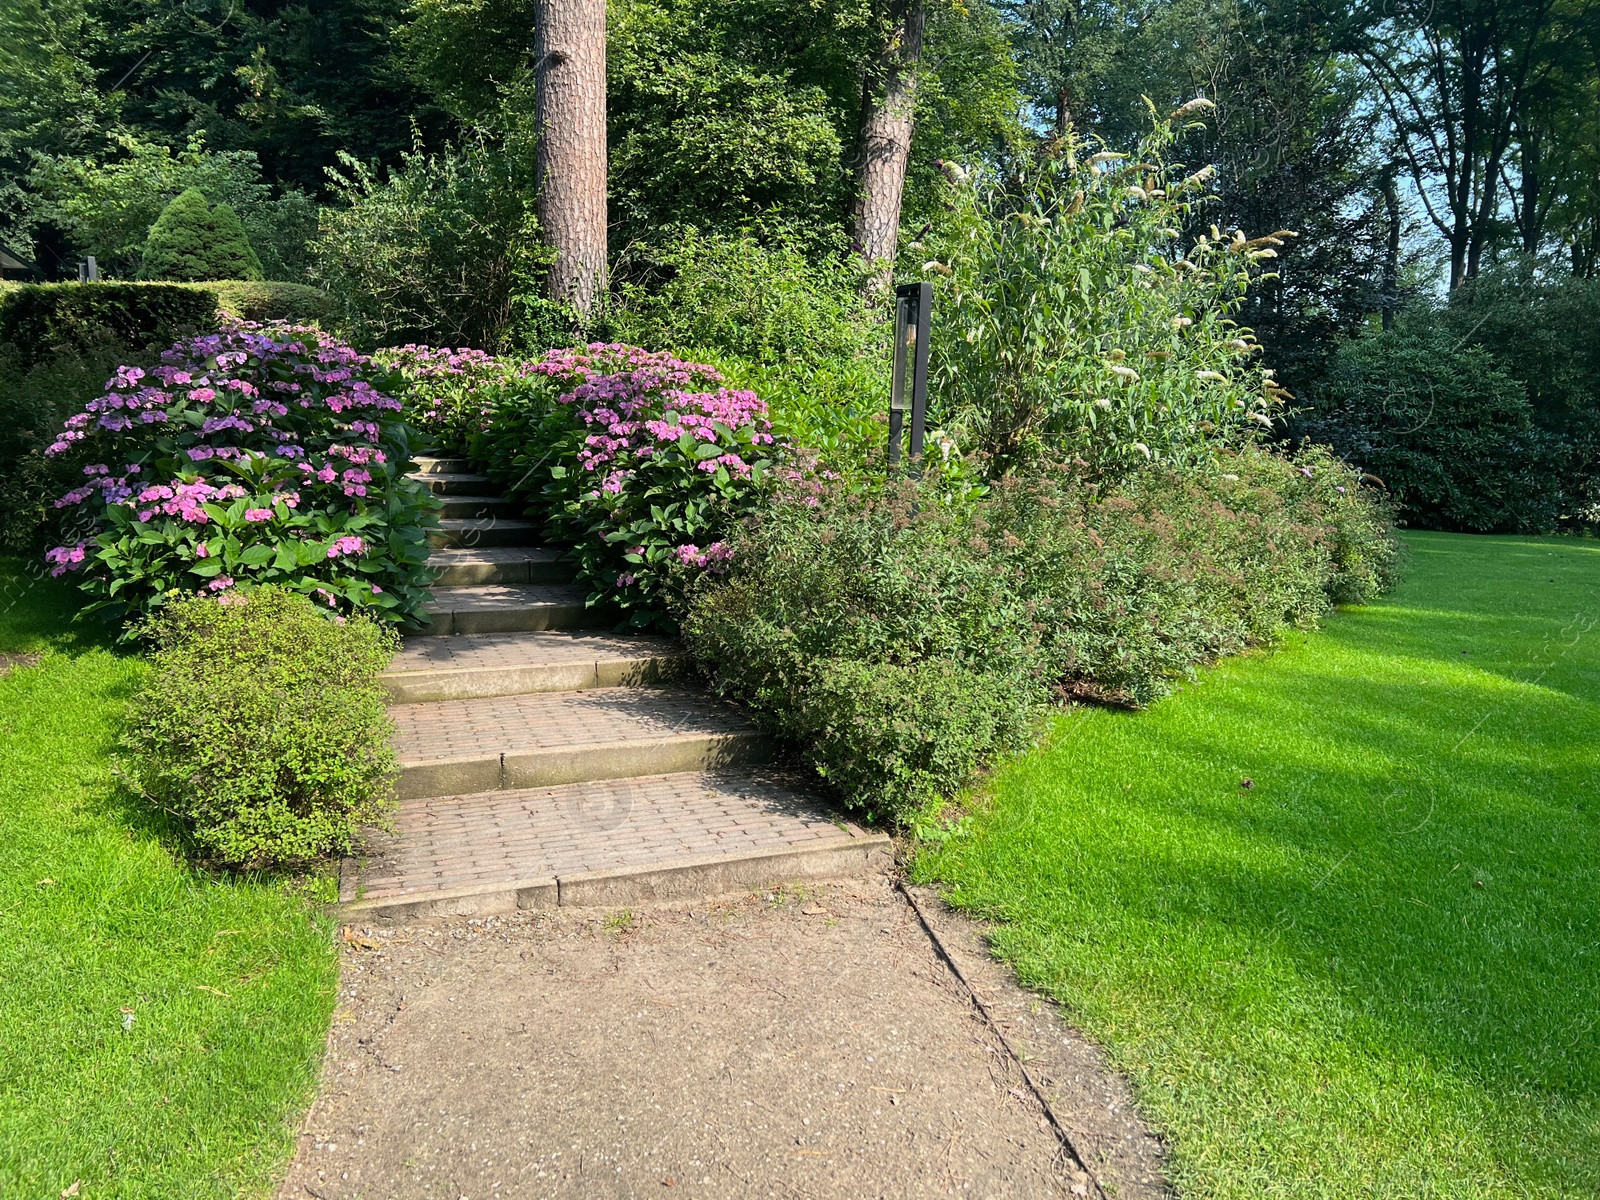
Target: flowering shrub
(447, 394)
(262, 725)
(901, 641)
(249, 456)
(637, 460)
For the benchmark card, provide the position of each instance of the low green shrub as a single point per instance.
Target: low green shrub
(262, 726)
(1449, 433)
(899, 641)
(249, 456)
(266, 300)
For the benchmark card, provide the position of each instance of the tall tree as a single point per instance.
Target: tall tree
(1454, 78)
(888, 113)
(570, 156)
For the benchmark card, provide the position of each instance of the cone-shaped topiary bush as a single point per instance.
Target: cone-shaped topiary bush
(191, 240)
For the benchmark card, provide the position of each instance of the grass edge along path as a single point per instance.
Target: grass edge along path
(163, 1026)
(1333, 908)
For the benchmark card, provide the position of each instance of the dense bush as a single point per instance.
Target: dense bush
(262, 726)
(637, 461)
(1068, 324)
(1449, 433)
(257, 300)
(1538, 326)
(249, 456)
(195, 240)
(445, 249)
(900, 641)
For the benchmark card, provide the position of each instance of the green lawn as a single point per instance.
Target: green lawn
(1376, 971)
(159, 1028)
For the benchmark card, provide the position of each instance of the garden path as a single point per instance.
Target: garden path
(544, 763)
(802, 1042)
(777, 1022)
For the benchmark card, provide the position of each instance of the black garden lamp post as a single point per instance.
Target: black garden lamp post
(913, 304)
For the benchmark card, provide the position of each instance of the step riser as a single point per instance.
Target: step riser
(539, 619)
(442, 466)
(443, 486)
(692, 880)
(472, 539)
(468, 574)
(476, 508)
(581, 764)
(418, 687)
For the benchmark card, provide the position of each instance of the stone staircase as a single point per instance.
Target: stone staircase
(545, 762)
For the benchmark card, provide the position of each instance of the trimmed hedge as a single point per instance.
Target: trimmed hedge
(43, 320)
(268, 301)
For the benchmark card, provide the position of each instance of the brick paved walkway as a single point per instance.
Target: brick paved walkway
(545, 766)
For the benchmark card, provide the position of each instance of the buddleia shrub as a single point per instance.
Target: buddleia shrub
(261, 726)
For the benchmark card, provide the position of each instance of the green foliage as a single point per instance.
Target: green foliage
(902, 639)
(193, 240)
(1066, 324)
(1449, 432)
(106, 205)
(437, 251)
(263, 727)
(789, 325)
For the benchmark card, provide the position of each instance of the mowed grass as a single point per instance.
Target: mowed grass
(159, 1027)
(1375, 970)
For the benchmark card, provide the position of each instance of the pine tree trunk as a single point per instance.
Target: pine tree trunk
(570, 159)
(886, 128)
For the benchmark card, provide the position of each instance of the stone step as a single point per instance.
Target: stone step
(455, 483)
(478, 507)
(428, 465)
(473, 532)
(610, 842)
(508, 608)
(541, 739)
(507, 664)
(499, 564)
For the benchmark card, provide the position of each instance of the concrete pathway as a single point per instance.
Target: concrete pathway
(797, 1043)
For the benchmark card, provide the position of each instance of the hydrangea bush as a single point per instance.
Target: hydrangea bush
(447, 394)
(253, 455)
(637, 460)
